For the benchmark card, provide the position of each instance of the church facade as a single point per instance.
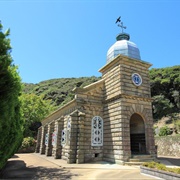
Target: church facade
(108, 120)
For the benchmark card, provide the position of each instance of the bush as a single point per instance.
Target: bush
(28, 142)
(164, 131)
(177, 126)
(160, 166)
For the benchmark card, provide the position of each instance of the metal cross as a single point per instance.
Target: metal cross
(121, 25)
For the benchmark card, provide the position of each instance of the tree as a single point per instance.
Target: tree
(161, 106)
(165, 88)
(11, 124)
(34, 110)
(165, 81)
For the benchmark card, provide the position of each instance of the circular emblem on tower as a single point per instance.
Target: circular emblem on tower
(136, 79)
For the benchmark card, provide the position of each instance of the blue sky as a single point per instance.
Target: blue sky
(59, 39)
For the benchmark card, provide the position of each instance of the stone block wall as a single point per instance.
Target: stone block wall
(113, 132)
(168, 146)
(39, 136)
(91, 153)
(57, 148)
(42, 140)
(49, 147)
(127, 68)
(89, 102)
(118, 78)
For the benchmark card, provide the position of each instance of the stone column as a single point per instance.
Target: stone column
(38, 143)
(49, 146)
(80, 139)
(73, 138)
(57, 149)
(42, 144)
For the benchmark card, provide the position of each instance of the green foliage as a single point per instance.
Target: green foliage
(177, 125)
(159, 166)
(165, 88)
(58, 90)
(28, 142)
(161, 106)
(164, 131)
(10, 88)
(34, 109)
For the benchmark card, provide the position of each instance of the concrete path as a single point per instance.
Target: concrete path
(35, 166)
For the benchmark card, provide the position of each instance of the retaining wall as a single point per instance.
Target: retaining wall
(168, 146)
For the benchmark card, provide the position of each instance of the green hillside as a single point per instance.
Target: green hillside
(58, 90)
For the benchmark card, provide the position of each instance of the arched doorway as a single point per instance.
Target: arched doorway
(137, 134)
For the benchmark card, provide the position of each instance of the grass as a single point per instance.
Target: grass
(159, 166)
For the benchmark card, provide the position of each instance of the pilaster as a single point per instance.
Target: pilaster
(73, 138)
(38, 143)
(57, 148)
(49, 146)
(80, 139)
(43, 134)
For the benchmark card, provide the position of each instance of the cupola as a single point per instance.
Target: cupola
(123, 46)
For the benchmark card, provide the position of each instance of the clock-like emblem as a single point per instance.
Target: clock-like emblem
(136, 78)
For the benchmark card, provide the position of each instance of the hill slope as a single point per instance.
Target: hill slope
(58, 90)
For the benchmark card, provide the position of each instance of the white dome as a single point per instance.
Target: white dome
(124, 47)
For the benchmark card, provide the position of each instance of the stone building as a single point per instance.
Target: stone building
(108, 120)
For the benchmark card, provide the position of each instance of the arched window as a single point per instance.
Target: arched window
(63, 137)
(46, 139)
(97, 131)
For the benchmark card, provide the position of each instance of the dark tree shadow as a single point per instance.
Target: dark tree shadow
(52, 173)
(16, 169)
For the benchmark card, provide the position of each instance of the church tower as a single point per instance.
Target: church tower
(128, 121)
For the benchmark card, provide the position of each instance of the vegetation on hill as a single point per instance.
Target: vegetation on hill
(165, 90)
(11, 123)
(59, 91)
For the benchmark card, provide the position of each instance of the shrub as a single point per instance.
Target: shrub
(164, 131)
(28, 142)
(177, 126)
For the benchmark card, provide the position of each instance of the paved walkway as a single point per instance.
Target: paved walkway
(35, 166)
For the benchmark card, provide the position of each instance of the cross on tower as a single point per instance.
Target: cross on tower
(121, 25)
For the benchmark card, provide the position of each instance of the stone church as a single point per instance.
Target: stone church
(109, 120)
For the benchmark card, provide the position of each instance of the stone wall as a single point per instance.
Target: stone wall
(168, 146)
(91, 106)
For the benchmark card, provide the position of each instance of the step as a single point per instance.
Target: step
(133, 163)
(140, 160)
(141, 156)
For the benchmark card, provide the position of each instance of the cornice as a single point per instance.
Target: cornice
(119, 96)
(120, 59)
